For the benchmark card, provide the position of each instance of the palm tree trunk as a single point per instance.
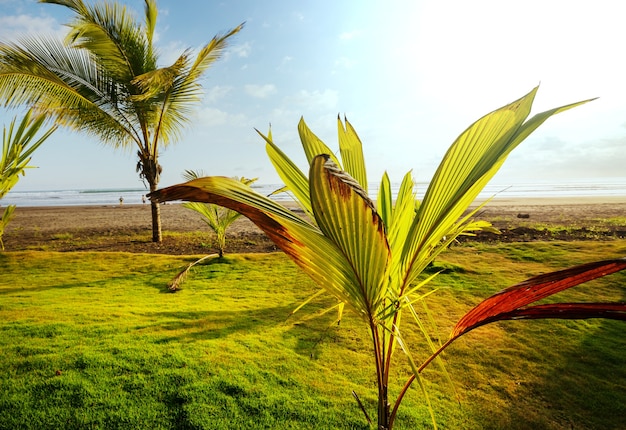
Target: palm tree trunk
(156, 217)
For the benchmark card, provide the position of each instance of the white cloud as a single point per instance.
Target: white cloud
(217, 93)
(12, 26)
(211, 117)
(260, 91)
(242, 50)
(325, 100)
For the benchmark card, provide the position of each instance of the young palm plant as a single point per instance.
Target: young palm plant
(18, 145)
(104, 80)
(217, 218)
(370, 257)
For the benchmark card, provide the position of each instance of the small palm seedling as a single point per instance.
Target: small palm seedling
(18, 145)
(217, 218)
(371, 256)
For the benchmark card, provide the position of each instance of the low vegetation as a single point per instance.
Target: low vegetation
(93, 340)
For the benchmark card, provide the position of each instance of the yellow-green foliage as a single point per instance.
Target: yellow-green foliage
(369, 256)
(18, 145)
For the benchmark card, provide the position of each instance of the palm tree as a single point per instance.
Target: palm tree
(18, 145)
(371, 257)
(104, 80)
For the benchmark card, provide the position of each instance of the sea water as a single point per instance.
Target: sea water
(104, 197)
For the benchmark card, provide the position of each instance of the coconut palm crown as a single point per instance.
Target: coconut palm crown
(371, 255)
(104, 80)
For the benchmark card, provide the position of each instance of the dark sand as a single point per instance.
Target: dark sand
(128, 227)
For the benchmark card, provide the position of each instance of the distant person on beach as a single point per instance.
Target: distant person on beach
(121, 201)
(143, 199)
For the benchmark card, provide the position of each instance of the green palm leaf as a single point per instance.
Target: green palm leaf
(347, 216)
(52, 77)
(18, 144)
(312, 144)
(384, 201)
(352, 153)
(472, 160)
(7, 215)
(370, 258)
(295, 181)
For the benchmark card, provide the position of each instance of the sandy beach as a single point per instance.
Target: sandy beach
(51, 227)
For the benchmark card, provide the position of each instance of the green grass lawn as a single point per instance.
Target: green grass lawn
(94, 340)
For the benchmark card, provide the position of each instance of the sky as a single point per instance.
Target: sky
(409, 75)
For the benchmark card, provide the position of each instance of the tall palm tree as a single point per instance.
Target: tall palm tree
(103, 79)
(371, 256)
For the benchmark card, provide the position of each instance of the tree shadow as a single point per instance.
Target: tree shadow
(207, 325)
(584, 387)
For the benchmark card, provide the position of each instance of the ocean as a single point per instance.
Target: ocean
(103, 197)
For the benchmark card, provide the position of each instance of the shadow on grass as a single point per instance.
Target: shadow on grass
(158, 281)
(202, 325)
(267, 322)
(583, 388)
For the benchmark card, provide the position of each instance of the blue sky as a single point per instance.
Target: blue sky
(409, 75)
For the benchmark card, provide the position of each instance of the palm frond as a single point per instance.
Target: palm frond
(176, 283)
(181, 93)
(295, 181)
(211, 52)
(7, 216)
(151, 12)
(472, 160)
(66, 85)
(18, 144)
(312, 144)
(384, 200)
(512, 303)
(347, 216)
(351, 150)
(112, 36)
